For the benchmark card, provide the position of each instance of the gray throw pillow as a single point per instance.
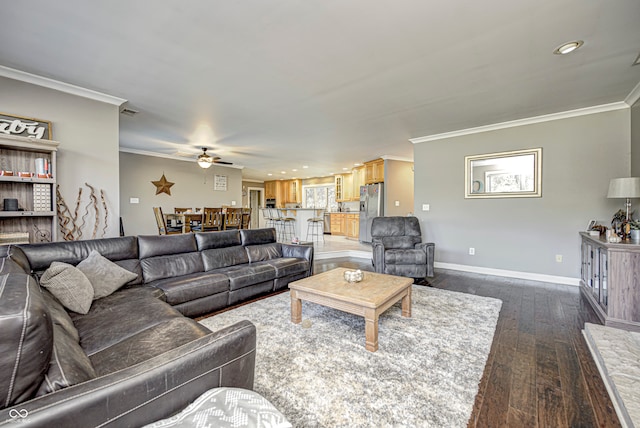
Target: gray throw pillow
(104, 275)
(69, 285)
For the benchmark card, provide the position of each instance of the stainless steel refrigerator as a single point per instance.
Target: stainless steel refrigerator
(371, 205)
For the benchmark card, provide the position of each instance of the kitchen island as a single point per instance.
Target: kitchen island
(301, 216)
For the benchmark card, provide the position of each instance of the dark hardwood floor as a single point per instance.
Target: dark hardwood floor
(539, 372)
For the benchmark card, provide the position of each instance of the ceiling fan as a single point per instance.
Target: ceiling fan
(205, 161)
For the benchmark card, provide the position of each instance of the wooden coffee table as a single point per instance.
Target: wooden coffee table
(368, 298)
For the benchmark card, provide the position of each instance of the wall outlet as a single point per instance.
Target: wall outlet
(397, 203)
(134, 200)
(472, 251)
(233, 203)
(425, 207)
(559, 258)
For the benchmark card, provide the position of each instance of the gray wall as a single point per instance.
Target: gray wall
(88, 134)
(580, 156)
(635, 142)
(189, 191)
(398, 183)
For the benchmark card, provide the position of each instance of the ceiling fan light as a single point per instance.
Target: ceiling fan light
(568, 47)
(204, 160)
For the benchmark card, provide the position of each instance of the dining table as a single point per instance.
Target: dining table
(184, 219)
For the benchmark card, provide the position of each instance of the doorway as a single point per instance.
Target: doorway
(256, 201)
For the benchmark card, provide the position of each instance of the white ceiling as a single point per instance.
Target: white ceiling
(273, 85)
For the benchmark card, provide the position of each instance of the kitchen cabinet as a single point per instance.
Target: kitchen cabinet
(344, 187)
(352, 223)
(284, 191)
(270, 189)
(374, 171)
(609, 280)
(338, 224)
(294, 191)
(358, 180)
(36, 195)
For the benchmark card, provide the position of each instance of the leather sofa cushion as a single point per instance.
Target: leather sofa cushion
(69, 364)
(190, 287)
(103, 327)
(59, 315)
(153, 245)
(223, 257)
(147, 344)
(258, 236)
(259, 253)
(40, 256)
(211, 240)
(287, 266)
(244, 276)
(405, 257)
(26, 338)
(170, 266)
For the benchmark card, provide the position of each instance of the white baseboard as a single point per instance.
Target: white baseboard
(342, 253)
(510, 273)
(463, 268)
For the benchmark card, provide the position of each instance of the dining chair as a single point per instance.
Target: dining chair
(164, 228)
(212, 219)
(246, 218)
(233, 218)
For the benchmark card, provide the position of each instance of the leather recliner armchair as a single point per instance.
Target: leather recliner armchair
(398, 248)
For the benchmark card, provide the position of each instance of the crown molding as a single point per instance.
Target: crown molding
(633, 96)
(172, 157)
(396, 158)
(521, 122)
(45, 82)
(253, 180)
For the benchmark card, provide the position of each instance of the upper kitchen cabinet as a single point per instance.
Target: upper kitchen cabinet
(293, 191)
(344, 187)
(270, 189)
(358, 180)
(374, 171)
(284, 191)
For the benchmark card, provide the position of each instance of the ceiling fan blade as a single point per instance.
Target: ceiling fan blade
(222, 162)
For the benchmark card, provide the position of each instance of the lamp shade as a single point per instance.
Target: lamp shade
(628, 187)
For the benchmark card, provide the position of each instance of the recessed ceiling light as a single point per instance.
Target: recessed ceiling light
(305, 166)
(294, 170)
(568, 47)
(357, 164)
(345, 169)
(283, 172)
(269, 174)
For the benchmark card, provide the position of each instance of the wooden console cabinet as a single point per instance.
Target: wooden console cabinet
(610, 280)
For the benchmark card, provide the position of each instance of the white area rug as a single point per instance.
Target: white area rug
(425, 373)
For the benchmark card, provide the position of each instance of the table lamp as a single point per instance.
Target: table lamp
(628, 188)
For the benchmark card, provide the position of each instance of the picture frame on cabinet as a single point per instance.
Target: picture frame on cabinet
(22, 126)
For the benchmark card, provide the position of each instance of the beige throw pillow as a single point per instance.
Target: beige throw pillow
(69, 285)
(104, 275)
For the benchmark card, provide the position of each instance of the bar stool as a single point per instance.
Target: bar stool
(288, 227)
(315, 225)
(275, 218)
(269, 221)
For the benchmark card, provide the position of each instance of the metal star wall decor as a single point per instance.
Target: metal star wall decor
(163, 186)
